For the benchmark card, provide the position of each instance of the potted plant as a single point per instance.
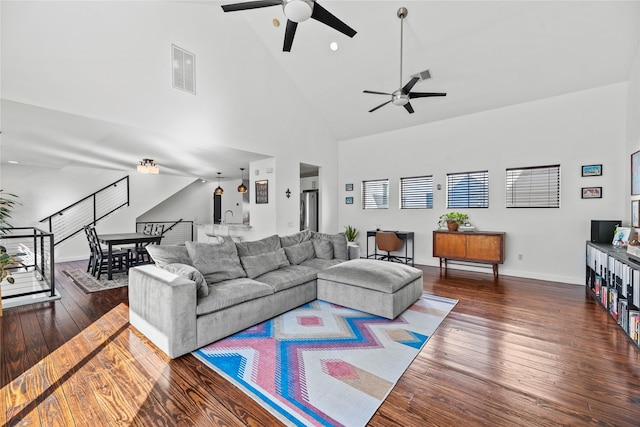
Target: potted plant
(6, 260)
(351, 233)
(452, 220)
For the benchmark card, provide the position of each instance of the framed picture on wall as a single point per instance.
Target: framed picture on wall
(635, 173)
(348, 200)
(348, 187)
(635, 213)
(262, 192)
(592, 170)
(592, 192)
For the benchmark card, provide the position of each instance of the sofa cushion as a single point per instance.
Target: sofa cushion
(169, 254)
(255, 265)
(339, 242)
(296, 238)
(288, 277)
(216, 262)
(300, 252)
(231, 292)
(259, 247)
(321, 264)
(323, 248)
(191, 273)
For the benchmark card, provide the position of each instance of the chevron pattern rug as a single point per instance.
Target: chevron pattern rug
(322, 364)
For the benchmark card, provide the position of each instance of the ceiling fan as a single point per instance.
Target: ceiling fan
(404, 94)
(296, 11)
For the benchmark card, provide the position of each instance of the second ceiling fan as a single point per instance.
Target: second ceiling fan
(402, 96)
(296, 11)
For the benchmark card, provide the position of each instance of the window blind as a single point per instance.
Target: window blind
(533, 187)
(416, 192)
(375, 194)
(468, 190)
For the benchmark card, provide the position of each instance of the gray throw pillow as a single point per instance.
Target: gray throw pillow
(190, 272)
(257, 265)
(168, 254)
(257, 247)
(216, 262)
(339, 242)
(323, 248)
(300, 252)
(296, 238)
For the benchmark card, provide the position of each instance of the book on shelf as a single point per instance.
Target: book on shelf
(613, 302)
(634, 318)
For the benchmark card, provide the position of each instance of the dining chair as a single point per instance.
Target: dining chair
(388, 242)
(139, 254)
(99, 260)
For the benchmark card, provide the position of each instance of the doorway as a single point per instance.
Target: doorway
(309, 197)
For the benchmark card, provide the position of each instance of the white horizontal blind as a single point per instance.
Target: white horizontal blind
(468, 190)
(416, 192)
(375, 194)
(533, 187)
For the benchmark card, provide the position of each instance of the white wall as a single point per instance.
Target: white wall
(572, 130)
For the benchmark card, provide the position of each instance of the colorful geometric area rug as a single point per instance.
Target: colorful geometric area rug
(322, 364)
(88, 283)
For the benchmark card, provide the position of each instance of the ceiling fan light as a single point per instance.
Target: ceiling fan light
(298, 10)
(399, 99)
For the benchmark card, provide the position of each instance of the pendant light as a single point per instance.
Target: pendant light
(218, 191)
(242, 188)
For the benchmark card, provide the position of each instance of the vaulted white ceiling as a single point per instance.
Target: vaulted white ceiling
(484, 55)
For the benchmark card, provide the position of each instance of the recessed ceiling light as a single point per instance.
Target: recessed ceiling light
(333, 46)
(13, 162)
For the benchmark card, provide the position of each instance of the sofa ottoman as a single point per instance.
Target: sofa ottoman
(382, 288)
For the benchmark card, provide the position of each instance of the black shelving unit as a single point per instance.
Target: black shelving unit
(613, 280)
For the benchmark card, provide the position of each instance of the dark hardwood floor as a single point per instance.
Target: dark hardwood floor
(517, 352)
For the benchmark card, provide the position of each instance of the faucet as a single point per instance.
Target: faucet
(225, 215)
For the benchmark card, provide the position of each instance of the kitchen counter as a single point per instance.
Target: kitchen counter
(235, 230)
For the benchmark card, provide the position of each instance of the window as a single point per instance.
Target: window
(533, 187)
(375, 194)
(416, 192)
(468, 190)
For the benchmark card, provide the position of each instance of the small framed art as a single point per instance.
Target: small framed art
(348, 200)
(635, 213)
(348, 187)
(635, 173)
(262, 192)
(592, 192)
(592, 170)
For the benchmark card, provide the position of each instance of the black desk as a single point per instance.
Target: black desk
(407, 236)
(123, 239)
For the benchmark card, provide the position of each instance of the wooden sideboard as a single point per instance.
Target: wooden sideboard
(485, 247)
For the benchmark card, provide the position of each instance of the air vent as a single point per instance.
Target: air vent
(184, 69)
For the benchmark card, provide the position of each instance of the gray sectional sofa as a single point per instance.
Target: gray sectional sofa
(201, 292)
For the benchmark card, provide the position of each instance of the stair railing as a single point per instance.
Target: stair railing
(71, 220)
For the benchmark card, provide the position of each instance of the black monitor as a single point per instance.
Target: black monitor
(602, 231)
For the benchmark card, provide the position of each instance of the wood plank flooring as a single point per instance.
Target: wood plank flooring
(516, 352)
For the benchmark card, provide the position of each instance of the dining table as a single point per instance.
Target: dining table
(116, 239)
